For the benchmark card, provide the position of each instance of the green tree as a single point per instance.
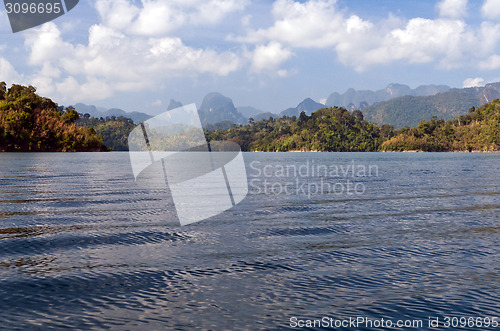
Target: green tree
(71, 115)
(29, 122)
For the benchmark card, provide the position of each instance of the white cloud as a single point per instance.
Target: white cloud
(157, 18)
(491, 63)
(313, 24)
(113, 61)
(213, 11)
(116, 14)
(136, 47)
(172, 55)
(452, 8)
(102, 37)
(356, 24)
(473, 82)
(157, 103)
(44, 78)
(45, 44)
(131, 49)
(485, 39)
(422, 40)
(7, 72)
(269, 57)
(92, 89)
(491, 9)
(161, 17)
(447, 41)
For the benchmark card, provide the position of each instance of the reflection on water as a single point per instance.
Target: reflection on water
(81, 246)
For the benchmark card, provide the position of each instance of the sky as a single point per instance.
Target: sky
(137, 55)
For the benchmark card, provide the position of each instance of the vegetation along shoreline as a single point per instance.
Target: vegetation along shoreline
(31, 123)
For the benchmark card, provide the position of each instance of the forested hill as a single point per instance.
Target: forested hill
(113, 130)
(410, 110)
(337, 130)
(31, 123)
(328, 129)
(479, 130)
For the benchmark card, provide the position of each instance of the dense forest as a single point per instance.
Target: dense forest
(409, 110)
(328, 129)
(479, 130)
(113, 130)
(337, 130)
(31, 123)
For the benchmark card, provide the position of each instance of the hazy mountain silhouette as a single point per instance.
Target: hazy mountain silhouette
(174, 104)
(94, 111)
(410, 110)
(249, 111)
(308, 106)
(218, 108)
(360, 99)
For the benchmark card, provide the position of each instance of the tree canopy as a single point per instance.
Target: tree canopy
(113, 130)
(337, 130)
(328, 129)
(31, 123)
(479, 130)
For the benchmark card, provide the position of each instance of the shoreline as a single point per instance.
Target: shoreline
(292, 151)
(409, 151)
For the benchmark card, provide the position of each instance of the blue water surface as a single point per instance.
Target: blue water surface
(416, 236)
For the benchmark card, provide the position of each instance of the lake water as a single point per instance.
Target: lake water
(82, 246)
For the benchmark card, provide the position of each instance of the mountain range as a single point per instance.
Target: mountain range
(396, 105)
(410, 110)
(308, 106)
(96, 112)
(218, 108)
(353, 99)
(249, 111)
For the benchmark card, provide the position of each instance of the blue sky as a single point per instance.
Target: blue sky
(137, 55)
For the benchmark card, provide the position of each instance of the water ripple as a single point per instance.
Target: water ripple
(82, 247)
